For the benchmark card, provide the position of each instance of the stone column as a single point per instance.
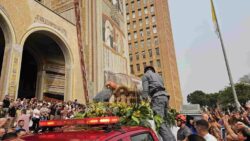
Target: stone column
(14, 68)
(68, 95)
(40, 84)
(5, 71)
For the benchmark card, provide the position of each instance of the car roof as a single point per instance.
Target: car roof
(88, 135)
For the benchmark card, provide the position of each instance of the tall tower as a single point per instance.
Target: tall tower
(151, 43)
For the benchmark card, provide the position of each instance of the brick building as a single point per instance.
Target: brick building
(150, 42)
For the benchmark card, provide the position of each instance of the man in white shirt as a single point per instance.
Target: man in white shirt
(36, 118)
(202, 127)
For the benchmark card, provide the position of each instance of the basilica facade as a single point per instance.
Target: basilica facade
(39, 47)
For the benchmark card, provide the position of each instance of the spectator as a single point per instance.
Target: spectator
(20, 125)
(205, 116)
(236, 130)
(26, 118)
(6, 103)
(12, 114)
(36, 118)
(202, 127)
(190, 124)
(21, 132)
(184, 131)
(58, 111)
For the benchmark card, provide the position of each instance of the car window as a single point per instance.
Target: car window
(142, 137)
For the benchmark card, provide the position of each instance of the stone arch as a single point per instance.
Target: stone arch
(9, 42)
(67, 54)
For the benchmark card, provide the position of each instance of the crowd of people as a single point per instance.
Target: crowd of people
(214, 125)
(20, 117)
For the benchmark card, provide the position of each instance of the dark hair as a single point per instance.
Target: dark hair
(20, 130)
(195, 137)
(20, 120)
(188, 119)
(202, 123)
(10, 135)
(24, 111)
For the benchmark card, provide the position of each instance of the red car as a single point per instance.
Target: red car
(132, 133)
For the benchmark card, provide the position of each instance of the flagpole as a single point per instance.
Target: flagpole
(238, 106)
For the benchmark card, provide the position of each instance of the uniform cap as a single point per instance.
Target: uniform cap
(149, 68)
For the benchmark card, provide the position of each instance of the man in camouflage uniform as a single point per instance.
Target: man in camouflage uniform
(153, 87)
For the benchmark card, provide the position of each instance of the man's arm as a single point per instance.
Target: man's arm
(145, 86)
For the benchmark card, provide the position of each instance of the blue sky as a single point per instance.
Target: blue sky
(199, 55)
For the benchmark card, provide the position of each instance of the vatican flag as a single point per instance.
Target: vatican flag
(214, 18)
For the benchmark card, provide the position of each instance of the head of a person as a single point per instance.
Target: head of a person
(147, 68)
(111, 85)
(190, 120)
(233, 123)
(180, 120)
(20, 123)
(202, 127)
(10, 135)
(6, 97)
(195, 137)
(205, 116)
(21, 132)
(237, 115)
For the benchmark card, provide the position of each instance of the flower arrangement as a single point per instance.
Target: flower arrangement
(130, 115)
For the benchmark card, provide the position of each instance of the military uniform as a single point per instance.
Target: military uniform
(153, 87)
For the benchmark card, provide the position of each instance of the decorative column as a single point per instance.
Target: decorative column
(68, 95)
(14, 69)
(40, 83)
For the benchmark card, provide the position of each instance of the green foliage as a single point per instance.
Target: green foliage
(172, 113)
(197, 97)
(158, 121)
(130, 115)
(224, 97)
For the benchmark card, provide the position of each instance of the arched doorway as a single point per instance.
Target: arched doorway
(2, 47)
(43, 68)
(7, 39)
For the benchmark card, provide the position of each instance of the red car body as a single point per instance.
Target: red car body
(133, 133)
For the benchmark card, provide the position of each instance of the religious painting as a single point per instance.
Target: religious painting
(108, 33)
(118, 4)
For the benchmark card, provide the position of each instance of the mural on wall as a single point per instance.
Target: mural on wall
(112, 36)
(108, 34)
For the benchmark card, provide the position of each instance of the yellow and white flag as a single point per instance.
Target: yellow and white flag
(214, 18)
